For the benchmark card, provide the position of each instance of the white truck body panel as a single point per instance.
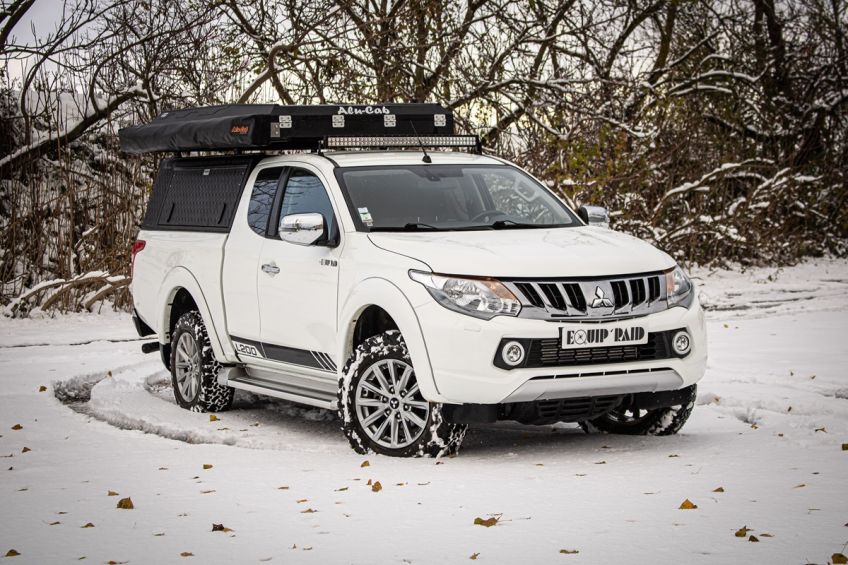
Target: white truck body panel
(313, 304)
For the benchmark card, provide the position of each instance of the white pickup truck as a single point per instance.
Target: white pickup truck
(415, 292)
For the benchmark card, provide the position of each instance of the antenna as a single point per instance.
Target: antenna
(426, 157)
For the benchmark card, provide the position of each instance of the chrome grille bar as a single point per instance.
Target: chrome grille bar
(589, 299)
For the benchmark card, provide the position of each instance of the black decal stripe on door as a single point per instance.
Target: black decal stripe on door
(291, 355)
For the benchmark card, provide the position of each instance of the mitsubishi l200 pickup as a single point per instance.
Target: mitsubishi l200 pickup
(367, 260)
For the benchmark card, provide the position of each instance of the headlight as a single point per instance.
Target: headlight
(481, 298)
(678, 288)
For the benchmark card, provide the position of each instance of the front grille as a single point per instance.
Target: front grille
(561, 410)
(628, 295)
(548, 353)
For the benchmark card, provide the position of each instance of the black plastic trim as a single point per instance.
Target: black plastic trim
(143, 329)
(544, 353)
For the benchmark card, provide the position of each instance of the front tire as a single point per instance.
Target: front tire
(381, 406)
(626, 420)
(194, 369)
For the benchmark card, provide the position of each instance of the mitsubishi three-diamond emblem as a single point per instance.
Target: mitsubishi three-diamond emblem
(601, 300)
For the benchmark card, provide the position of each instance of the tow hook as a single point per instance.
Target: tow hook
(150, 347)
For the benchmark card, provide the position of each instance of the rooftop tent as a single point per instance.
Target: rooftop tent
(272, 126)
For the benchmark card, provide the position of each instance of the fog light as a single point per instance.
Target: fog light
(513, 353)
(681, 343)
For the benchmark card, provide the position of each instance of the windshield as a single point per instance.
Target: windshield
(449, 197)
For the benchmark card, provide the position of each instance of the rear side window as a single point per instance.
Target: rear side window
(306, 194)
(262, 199)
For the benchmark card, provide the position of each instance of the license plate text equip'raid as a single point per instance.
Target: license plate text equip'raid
(576, 336)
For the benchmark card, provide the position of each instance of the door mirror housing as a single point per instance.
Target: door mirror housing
(594, 215)
(303, 229)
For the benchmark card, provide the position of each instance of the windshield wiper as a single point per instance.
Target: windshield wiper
(411, 226)
(512, 224)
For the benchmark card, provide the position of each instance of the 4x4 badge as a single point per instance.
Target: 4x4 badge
(601, 300)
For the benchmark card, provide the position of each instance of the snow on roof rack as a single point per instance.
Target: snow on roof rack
(272, 126)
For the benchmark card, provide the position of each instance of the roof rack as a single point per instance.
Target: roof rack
(275, 127)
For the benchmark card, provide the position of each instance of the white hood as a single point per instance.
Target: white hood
(563, 252)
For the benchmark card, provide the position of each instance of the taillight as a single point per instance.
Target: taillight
(136, 248)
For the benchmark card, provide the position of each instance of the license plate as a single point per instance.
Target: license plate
(574, 336)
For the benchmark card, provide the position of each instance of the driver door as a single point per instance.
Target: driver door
(298, 284)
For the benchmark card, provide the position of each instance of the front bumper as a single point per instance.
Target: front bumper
(462, 350)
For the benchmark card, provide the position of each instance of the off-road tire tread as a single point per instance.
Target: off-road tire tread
(661, 422)
(212, 396)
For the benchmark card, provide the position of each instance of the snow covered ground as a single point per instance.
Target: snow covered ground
(764, 449)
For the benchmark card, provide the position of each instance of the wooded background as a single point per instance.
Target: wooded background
(715, 129)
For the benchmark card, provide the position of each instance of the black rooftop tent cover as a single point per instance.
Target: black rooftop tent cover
(272, 126)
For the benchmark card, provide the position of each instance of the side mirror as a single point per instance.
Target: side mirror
(594, 216)
(303, 229)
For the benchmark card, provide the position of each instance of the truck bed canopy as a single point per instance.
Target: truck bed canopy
(272, 126)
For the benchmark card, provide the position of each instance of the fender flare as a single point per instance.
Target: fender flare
(386, 295)
(175, 279)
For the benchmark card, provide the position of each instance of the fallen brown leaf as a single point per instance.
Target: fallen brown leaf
(742, 532)
(376, 487)
(474, 556)
(111, 493)
(341, 489)
(206, 466)
(753, 538)
(12, 553)
(488, 522)
(88, 525)
(42, 388)
(54, 523)
(601, 463)
(283, 488)
(186, 554)
(207, 491)
(845, 447)
(308, 511)
(838, 559)
(302, 500)
(220, 528)
(802, 485)
(159, 535)
(25, 450)
(17, 427)
(569, 551)
(719, 489)
(365, 464)
(213, 418)
(126, 504)
(688, 505)
(766, 535)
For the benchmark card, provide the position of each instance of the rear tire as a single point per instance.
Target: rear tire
(381, 407)
(194, 369)
(664, 421)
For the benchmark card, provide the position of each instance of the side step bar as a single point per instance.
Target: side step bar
(278, 385)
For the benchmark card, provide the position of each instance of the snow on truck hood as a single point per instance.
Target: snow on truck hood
(563, 252)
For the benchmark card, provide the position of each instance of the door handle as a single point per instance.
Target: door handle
(270, 269)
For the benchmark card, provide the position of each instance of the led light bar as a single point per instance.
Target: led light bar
(352, 141)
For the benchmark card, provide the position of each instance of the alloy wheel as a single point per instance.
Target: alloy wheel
(389, 405)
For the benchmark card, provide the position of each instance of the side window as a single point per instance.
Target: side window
(262, 199)
(306, 194)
